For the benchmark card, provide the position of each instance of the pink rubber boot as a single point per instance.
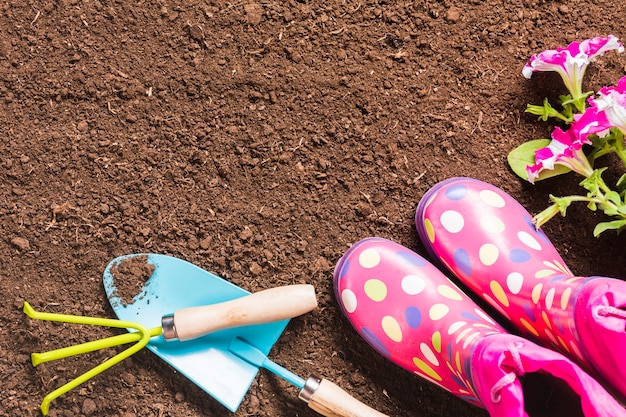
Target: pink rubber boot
(412, 314)
(486, 238)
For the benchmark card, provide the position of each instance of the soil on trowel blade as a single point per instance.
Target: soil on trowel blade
(130, 276)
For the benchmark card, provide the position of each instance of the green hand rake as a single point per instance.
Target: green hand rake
(141, 336)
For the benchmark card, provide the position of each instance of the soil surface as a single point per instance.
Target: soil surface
(257, 140)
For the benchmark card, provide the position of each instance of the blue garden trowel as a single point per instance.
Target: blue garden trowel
(188, 317)
(197, 337)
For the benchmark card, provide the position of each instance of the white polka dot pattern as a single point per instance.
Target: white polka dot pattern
(452, 221)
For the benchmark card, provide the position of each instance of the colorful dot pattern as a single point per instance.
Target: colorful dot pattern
(487, 239)
(411, 313)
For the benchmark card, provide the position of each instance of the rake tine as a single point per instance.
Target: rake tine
(75, 319)
(39, 358)
(145, 338)
(66, 352)
(141, 337)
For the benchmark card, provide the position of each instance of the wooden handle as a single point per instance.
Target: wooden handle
(274, 304)
(331, 401)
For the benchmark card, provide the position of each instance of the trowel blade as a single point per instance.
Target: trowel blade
(206, 361)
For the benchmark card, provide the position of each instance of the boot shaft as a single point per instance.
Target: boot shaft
(515, 377)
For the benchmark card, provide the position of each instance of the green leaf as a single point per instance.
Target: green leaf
(593, 183)
(613, 197)
(621, 183)
(609, 210)
(524, 155)
(565, 99)
(604, 226)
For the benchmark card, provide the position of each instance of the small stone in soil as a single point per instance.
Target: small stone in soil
(89, 407)
(21, 243)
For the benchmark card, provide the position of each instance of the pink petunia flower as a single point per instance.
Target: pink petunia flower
(591, 122)
(610, 105)
(571, 62)
(564, 149)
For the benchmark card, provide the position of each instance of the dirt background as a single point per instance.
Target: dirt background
(257, 140)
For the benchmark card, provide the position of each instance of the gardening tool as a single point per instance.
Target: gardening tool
(321, 395)
(209, 312)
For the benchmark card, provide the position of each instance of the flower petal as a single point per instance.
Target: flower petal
(565, 148)
(591, 122)
(572, 61)
(599, 46)
(610, 105)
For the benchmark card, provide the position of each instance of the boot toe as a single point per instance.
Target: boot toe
(411, 313)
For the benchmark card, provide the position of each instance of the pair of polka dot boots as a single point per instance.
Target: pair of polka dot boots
(568, 328)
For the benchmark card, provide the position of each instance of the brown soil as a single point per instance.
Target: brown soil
(258, 141)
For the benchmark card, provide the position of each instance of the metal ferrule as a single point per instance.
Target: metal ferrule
(310, 386)
(169, 329)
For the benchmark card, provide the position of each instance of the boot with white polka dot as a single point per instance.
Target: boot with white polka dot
(413, 315)
(487, 240)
